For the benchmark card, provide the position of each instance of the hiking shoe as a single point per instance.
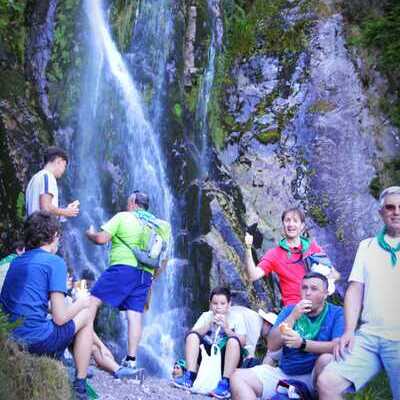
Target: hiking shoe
(125, 373)
(129, 364)
(222, 391)
(184, 381)
(79, 389)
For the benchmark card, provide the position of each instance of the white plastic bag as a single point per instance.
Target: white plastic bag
(209, 373)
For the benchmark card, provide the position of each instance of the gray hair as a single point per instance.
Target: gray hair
(386, 192)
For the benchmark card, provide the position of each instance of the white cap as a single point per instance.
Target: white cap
(268, 316)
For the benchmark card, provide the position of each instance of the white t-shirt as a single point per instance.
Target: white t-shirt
(253, 323)
(372, 267)
(235, 322)
(43, 182)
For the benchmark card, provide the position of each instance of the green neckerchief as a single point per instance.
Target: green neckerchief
(304, 242)
(309, 329)
(145, 215)
(8, 259)
(387, 247)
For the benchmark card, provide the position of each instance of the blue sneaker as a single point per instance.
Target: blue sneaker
(125, 373)
(222, 391)
(184, 381)
(79, 389)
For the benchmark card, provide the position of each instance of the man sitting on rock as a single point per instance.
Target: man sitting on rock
(36, 277)
(306, 332)
(219, 325)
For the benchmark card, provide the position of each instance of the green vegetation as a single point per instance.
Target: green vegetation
(375, 26)
(258, 26)
(389, 175)
(321, 107)
(20, 207)
(269, 137)
(318, 215)
(64, 45)
(178, 111)
(122, 17)
(27, 377)
(12, 27)
(378, 388)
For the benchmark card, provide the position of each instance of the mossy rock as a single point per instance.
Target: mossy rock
(318, 215)
(269, 137)
(27, 377)
(321, 107)
(389, 175)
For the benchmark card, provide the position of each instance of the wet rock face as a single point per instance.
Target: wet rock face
(22, 135)
(339, 141)
(255, 80)
(325, 157)
(40, 20)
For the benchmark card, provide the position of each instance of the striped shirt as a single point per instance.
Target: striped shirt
(43, 182)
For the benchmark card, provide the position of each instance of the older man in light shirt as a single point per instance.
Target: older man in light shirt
(373, 293)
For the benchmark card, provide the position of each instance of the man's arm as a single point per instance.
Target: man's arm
(352, 308)
(101, 237)
(62, 312)
(45, 204)
(253, 272)
(275, 338)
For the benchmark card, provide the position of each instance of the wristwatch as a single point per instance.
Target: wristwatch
(303, 345)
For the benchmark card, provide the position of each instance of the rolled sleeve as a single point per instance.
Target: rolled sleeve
(358, 270)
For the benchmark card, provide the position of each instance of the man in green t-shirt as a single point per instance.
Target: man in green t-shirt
(126, 283)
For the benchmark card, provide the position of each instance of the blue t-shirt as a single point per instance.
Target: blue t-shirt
(297, 362)
(26, 293)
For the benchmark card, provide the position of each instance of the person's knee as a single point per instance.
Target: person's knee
(82, 319)
(328, 382)
(192, 337)
(236, 378)
(233, 344)
(322, 361)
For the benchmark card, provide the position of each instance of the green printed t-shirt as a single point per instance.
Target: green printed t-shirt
(129, 228)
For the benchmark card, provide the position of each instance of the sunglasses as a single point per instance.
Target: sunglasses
(391, 207)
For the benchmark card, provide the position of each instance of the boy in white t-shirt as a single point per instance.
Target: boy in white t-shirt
(231, 330)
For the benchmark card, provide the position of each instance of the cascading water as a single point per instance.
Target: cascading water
(207, 83)
(115, 147)
(201, 143)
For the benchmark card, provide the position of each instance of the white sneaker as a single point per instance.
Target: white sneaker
(129, 364)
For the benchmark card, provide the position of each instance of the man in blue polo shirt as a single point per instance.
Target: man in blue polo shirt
(306, 332)
(35, 278)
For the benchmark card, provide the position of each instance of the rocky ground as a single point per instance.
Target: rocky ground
(109, 388)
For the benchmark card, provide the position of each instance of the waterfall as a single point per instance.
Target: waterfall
(202, 109)
(115, 151)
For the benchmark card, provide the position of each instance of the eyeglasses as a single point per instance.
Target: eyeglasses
(391, 207)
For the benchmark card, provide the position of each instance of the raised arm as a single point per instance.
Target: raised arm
(253, 272)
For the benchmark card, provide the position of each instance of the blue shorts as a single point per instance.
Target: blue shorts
(123, 287)
(55, 344)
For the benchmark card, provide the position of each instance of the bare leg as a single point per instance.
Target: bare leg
(322, 361)
(192, 349)
(83, 342)
(134, 331)
(232, 357)
(331, 385)
(245, 385)
(95, 303)
(102, 355)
